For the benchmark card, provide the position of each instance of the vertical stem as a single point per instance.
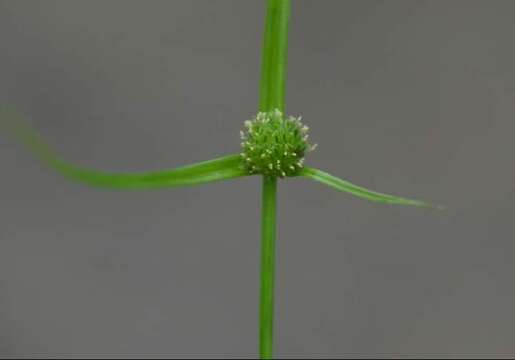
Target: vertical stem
(272, 91)
(275, 47)
(267, 267)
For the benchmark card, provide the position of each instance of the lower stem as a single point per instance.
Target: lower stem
(266, 317)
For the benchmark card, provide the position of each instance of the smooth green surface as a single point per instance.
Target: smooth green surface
(272, 93)
(222, 168)
(345, 186)
(268, 225)
(275, 47)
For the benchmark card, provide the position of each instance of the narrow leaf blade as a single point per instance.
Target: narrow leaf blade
(345, 186)
(223, 168)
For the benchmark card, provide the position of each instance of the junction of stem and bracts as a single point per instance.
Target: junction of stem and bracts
(273, 145)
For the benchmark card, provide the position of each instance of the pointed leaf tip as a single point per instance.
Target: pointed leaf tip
(223, 168)
(345, 186)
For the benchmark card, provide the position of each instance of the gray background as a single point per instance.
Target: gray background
(410, 98)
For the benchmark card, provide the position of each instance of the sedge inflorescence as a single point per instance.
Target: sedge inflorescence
(274, 145)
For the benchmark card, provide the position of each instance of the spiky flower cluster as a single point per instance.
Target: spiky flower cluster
(273, 145)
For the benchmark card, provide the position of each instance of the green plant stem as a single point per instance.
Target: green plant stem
(268, 224)
(275, 46)
(272, 93)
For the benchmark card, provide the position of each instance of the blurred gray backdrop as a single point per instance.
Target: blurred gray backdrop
(410, 98)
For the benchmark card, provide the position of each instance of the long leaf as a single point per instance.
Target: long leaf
(223, 168)
(345, 186)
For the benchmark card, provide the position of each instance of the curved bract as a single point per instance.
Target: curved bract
(222, 168)
(345, 186)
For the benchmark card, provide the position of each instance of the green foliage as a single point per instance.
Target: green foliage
(345, 186)
(273, 146)
(224, 168)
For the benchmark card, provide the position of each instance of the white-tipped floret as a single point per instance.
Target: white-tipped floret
(261, 116)
(274, 144)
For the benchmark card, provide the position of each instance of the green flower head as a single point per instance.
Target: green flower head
(274, 145)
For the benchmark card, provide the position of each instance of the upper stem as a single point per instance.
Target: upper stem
(275, 47)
